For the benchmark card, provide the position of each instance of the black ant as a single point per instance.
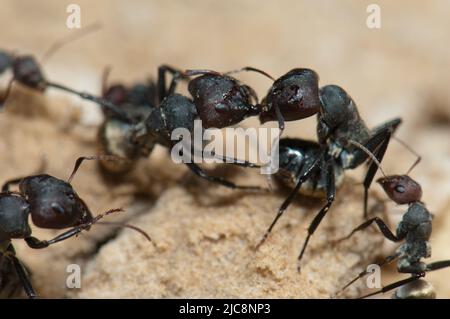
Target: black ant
(173, 112)
(222, 101)
(414, 229)
(114, 134)
(317, 168)
(27, 71)
(52, 204)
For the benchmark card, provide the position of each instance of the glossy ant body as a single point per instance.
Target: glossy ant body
(173, 112)
(414, 230)
(317, 168)
(222, 101)
(52, 204)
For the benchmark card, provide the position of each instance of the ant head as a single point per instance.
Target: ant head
(5, 61)
(53, 202)
(337, 106)
(27, 72)
(402, 189)
(116, 94)
(296, 94)
(221, 100)
(14, 211)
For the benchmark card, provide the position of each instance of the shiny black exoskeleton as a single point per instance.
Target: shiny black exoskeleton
(317, 168)
(414, 231)
(222, 101)
(175, 111)
(52, 203)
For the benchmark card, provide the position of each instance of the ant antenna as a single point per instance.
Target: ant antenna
(58, 44)
(409, 148)
(106, 105)
(251, 69)
(139, 230)
(369, 153)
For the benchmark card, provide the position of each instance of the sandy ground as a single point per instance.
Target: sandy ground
(205, 234)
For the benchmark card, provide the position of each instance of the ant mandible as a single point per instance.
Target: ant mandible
(52, 204)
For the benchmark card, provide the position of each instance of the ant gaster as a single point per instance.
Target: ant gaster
(317, 168)
(52, 204)
(414, 230)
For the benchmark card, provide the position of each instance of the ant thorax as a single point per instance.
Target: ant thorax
(416, 227)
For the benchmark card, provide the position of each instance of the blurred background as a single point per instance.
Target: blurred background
(400, 69)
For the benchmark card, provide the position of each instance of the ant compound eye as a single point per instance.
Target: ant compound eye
(400, 189)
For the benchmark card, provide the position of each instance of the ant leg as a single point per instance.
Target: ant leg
(36, 243)
(394, 285)
(430, 267)
(331, 191)
(107, 106)
(288, 200)
(223, 158)
(22, 273)
(377, 144)
(197, 170)
(176, 74)
(226, 159)
(438, 265)
(381, 225)
(388, 260)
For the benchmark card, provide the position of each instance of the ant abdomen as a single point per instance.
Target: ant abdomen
(419, 289)
(295, 94)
